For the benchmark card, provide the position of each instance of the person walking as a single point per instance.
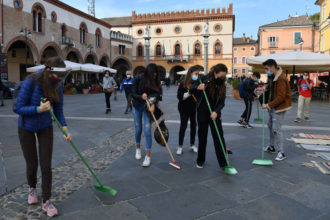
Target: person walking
(187, 109)
(279, 102)
(1, 93)
(108, 87)
(250, 85)
(35, 122)
(146, 87)
(305, 86)
(215, 88)
(127, 85)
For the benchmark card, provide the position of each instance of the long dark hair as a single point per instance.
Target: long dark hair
(150, 81)
(188, 81)
(214, 70)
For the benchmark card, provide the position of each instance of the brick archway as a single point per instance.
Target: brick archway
(96, 61)
(76, 51)
(107, 58)
(123, 58)
(31, 45)
(55, 46)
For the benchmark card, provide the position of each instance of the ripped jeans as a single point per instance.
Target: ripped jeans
(137, 113)
(275, 129)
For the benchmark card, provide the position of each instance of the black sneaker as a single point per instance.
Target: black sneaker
(280, 156)
(306, 118)
(240, 122)
(2, 105)
(297, 120)
(270, 149)
(247, 125)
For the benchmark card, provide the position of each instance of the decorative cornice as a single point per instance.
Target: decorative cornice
(183, 15)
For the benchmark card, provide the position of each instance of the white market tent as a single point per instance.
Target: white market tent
(72, 66)
(295, 61)
(184, 72)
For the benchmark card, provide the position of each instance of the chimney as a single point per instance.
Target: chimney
(244, 38)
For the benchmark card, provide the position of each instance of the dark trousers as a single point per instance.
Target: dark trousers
(248, 109)
(184, 117)
(129, 97)
(107, 98)
(203, 126)
(29, 148)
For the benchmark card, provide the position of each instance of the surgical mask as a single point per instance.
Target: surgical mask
(256, 80)
(269, 73)
(194, 77)
(128, 76)
(106, 75)
(305, 77)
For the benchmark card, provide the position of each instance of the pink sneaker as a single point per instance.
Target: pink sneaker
(33, 196)
(49, 208)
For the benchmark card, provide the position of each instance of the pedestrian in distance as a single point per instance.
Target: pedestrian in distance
(187, 109)
(1, 93)
(127, 86)
(278, 103)
(249, 87)
(108, 87)
(215, 88)
(35, 122)
(146, 87)
(305, 86)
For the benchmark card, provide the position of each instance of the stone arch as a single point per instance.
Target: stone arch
(53, 45)
(77, 54)
(139, 70)
(39, 7)
(105, 58)
(121, 64)
(30, 44)
(173, 73)
(91, 54)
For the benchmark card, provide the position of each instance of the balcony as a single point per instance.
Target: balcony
(67, 42)
(177, 58)
(272, 45)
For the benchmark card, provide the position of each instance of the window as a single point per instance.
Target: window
(177, 29)
(140, 32)
(323, 12)
(243, 60)
(18, 5)
(235, 71)
(158, 31)
(63, 33)
(272, 52)
(252, 48)
(177, 49)
(235, 60)
(297, 38)
(83, 31)
(122, 49)
(243, 48)
(197, 49)
(272, 41)
(322, 43)
(218, 49)
(140, 51)
(217, 27)
(53, 16)
(97, 40)
(158, 50)
(38, 13)
(235, 48)
(243, 71)
(197, 28)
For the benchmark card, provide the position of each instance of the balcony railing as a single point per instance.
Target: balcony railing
(177, 58)
(272, 44)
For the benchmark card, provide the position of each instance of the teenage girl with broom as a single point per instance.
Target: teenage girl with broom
(215, 88)
(35, 121)
(187, 109)
(145, 86)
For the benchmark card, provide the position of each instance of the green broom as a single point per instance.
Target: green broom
(228, 169)
(258, 111)
(263, 161)
(99, 186)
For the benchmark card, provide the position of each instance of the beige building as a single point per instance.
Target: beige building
(244, 47)
(34, 30)
(176, 38)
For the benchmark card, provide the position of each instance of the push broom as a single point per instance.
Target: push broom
(173, 162)
(263, 161)
(258, 112)
(228, 169)
(99, 186)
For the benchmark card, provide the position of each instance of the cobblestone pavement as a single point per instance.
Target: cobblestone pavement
(67, 177)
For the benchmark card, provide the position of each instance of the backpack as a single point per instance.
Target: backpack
(241, 90)
(16, 93)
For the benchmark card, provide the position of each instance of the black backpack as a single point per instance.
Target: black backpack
(15, 94)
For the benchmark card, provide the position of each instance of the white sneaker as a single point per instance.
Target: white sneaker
(199, 167)
(179, 151)
(194, 149)
(138, 154)
(280, 156)
(147, 161)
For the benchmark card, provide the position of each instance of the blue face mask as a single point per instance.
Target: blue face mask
(269, 73)
(106, 75)
(194, 77)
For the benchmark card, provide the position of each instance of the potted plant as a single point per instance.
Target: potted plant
(74, 91)
(236, 84)
(67, 89)
(85, 88)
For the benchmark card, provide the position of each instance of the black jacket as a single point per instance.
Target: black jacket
(217, 104)
(188, 105)
(138, 86)
(249, 86)
(1, 85)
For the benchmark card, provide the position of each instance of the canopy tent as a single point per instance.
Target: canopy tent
(295, 61)
(72, 66)
(184, 72)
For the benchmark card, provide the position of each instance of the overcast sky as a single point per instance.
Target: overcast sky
(250, 14)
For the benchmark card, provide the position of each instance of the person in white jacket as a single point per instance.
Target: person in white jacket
(108, 87)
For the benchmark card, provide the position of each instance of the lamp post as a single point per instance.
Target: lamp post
(26, 34)
(147, 44)
(206, 36)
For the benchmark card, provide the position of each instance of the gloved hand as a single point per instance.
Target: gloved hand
(186, 95)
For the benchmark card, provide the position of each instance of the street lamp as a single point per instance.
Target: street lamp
(206, 36)
(147, 44)
(26, 34)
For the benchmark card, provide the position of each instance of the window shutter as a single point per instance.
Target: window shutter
(276, 39)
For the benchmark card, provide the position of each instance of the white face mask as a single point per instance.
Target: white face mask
(305, 77)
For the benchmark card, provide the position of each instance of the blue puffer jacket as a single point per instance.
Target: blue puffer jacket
(27, 102)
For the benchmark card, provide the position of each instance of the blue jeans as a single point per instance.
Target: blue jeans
(137, 113)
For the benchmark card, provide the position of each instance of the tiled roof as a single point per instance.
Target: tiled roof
(119, 21)
(292, 21)
(241, 41)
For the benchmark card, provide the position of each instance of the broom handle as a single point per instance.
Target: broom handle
(216, 127)
(161, 133)
(72, 144)
(263, 127)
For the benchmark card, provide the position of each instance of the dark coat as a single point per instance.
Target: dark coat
(138, 87)
(188, 105)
